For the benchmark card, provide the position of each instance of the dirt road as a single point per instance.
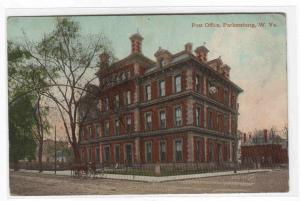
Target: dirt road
(40, 184)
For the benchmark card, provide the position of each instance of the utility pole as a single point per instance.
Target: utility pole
(55, 149)
(235, 153)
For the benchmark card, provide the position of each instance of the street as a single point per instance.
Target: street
(40, 184)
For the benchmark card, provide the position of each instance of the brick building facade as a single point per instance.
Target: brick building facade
(178, 108)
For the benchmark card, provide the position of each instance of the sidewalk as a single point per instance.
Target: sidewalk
(152, 178)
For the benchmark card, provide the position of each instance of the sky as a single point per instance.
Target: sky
(257, 56)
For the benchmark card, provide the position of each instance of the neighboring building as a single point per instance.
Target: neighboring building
(178, 108)
(263, 148)
(63, 151)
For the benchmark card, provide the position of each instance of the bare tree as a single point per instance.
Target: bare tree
(68, 59)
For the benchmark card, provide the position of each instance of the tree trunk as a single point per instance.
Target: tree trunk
(76, 152)
(40, 155)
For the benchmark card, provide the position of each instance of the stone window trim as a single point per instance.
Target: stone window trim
(105, 104)
(97, 130)
(116, 132)
(174, 115)
(174, 149)
(117, 101)
(200, 108)
(147, 95)
(159, 150)
(90, 132)
(106, 132)
(146, 153)
(175, 90)
(159, 120)
(200, 83)
(159, 88)
(146, 122)
(210, 119)
(128, 118)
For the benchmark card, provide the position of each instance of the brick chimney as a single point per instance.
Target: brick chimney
(188, 47)
(136, 43)
(266, 135)
(201, 53)
(245, 138)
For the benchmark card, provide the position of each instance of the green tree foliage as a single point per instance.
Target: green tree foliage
(26, 83)
(21, 121)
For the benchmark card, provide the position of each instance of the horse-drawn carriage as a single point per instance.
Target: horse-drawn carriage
(83, 169)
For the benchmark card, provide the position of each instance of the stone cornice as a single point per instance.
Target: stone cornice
(185, 94)
(185, 129)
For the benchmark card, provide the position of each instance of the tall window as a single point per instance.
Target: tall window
(210, 119)
(117, 101)
(177, 83)
(127, 74)
(148, 125)
(198, 83)
(117, 153)
(178, 150)
(198, 150)
(178, 116)
(198, 116)
(97, 154)
(233, 101)
(90, 132)
(128, 123)
(106, 154)
(97, 127)
(127, 98)
(106, 104)
(162, 150)
(106, 128)
(117, 126)
(90, 154)
(162, 119)
(226, 96)
(219, 122)
(148, 92)
(148, 152)
(211, 152)
(226, 124)
(233, 125)
(162, 88)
